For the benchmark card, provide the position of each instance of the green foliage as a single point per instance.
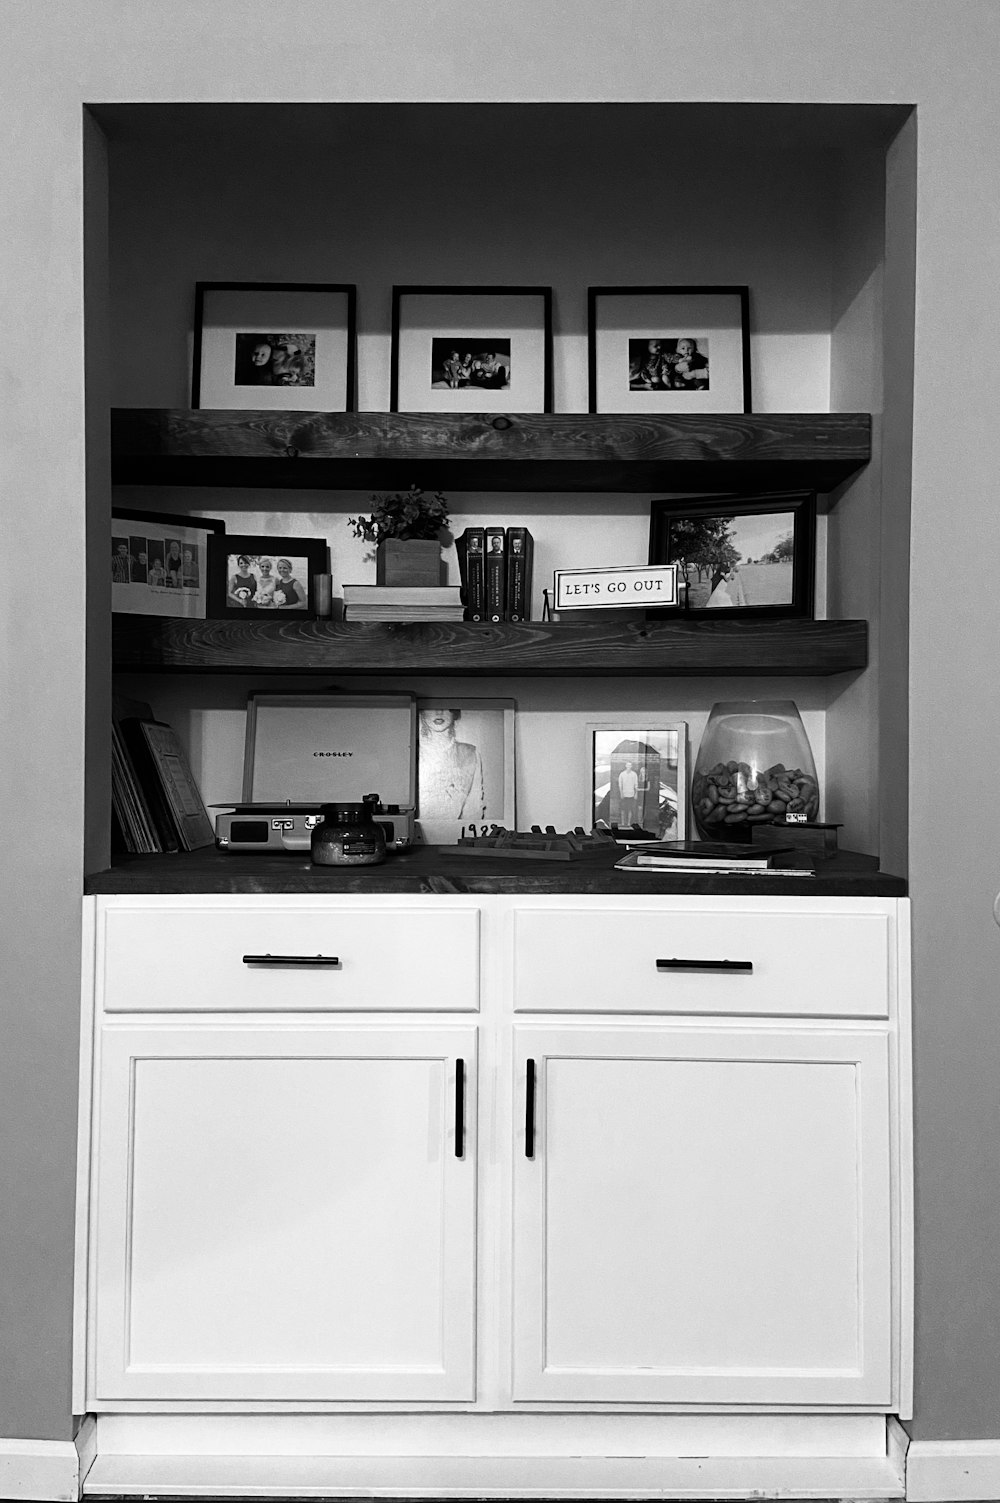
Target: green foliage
(782, 550)
(408, 514)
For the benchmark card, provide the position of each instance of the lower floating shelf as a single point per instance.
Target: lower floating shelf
(534, 648)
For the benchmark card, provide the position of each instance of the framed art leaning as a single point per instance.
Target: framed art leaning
(471, 349)
(669, 349)
(638, 774)
(286, 346)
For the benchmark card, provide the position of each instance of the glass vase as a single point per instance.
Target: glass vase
(754, 766)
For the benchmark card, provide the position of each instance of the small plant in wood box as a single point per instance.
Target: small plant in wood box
(406, 528)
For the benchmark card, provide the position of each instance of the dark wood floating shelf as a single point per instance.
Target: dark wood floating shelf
(488, 452)
(664, 648)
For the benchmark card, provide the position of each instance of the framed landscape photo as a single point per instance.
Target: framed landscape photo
(288, 346)
(471, 349)
(749, 556)
(638, 774)
(268, 577)
(159, 563)
(668, 349)
(465, 767)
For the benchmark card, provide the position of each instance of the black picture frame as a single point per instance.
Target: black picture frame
(459, 399)
(678, 401)
(313, 553)
(145, 595)
(752, 576)
(272, 306)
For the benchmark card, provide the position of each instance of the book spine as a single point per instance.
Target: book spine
(472, 545)
(520, 547)
(148, 778)
(496, 575)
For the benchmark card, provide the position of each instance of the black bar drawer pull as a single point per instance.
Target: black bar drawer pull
(704, 965)
(460, 1108)
(529, 1110)
(309, 960)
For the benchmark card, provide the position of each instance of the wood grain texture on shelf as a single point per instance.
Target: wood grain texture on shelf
(472, 451)
(590, 649)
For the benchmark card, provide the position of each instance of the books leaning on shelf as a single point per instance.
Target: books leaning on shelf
(403, 603)
(494, 565)
(714, 857)
(154, 799)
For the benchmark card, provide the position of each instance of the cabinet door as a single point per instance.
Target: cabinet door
(705, 1217)
(285, 1213)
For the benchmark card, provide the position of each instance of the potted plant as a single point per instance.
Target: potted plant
(406, 529)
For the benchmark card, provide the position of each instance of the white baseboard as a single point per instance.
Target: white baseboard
(953, 1471)
(44, 1471)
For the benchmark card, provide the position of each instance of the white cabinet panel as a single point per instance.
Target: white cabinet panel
(626, 960)
(285, 1213)
(705, 1218)
(174, 958)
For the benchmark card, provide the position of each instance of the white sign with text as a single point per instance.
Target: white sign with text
(645, 584)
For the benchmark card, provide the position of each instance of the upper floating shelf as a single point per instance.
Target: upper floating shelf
(488, 452)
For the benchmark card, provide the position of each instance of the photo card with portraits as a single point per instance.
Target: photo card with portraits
(471, 349)
(742, 556)
(265, 577)
(286, 346)
(669, 349)
(159, 563)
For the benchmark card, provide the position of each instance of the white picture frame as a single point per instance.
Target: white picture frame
(465, 768)
(655, 748)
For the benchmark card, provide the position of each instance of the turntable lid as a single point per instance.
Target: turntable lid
(330, 748)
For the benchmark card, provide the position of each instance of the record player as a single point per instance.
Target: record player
(306, 750)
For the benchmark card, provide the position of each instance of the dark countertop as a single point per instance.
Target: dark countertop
(439, 869)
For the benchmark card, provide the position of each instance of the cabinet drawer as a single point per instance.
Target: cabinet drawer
(634, 960)
(179, 959)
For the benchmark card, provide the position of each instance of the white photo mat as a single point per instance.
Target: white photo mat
(474, 319)
(321, 315)
(713, 320)
(163, 568)
(656, 748)
(465, 767)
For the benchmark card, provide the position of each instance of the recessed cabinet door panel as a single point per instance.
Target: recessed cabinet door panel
(705, 1218)
(281, 1213)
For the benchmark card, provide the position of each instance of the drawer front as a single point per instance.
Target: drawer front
(614, 960)
(174, 959)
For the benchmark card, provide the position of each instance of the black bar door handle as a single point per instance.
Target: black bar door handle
(460, 1108)
(280, 960)
(529, 1110)
(704, 965)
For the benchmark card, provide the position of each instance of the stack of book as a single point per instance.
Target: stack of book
(403, 603)
(709, 856)
(155, 803)
(495, 568)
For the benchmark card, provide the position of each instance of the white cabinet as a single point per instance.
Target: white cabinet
(285, 1212)
(702, 1216)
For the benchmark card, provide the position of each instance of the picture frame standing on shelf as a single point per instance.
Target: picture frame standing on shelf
(638, 774)
(739, 557)
(669, 349)
(471, 349)
(268, 578)
(281, 346)
(465, 768)
(159, 563)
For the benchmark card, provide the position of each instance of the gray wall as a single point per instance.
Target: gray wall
(930, 52)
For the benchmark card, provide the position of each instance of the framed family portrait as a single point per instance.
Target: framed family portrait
(750, 556)
(249, 576)
(668, 349)
(289, 346)
(471, 349)
(159, 563)
(638, 774)
(465, 768)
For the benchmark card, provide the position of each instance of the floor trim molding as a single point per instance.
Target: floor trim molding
(953, 1471)
(46, 1471)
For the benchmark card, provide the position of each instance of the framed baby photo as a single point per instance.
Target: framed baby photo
(471, 349)
(159, 563)
(252, 576)
(465, 768)
(286, 346)
(744, 556)
(668, 349)
(638, 774)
